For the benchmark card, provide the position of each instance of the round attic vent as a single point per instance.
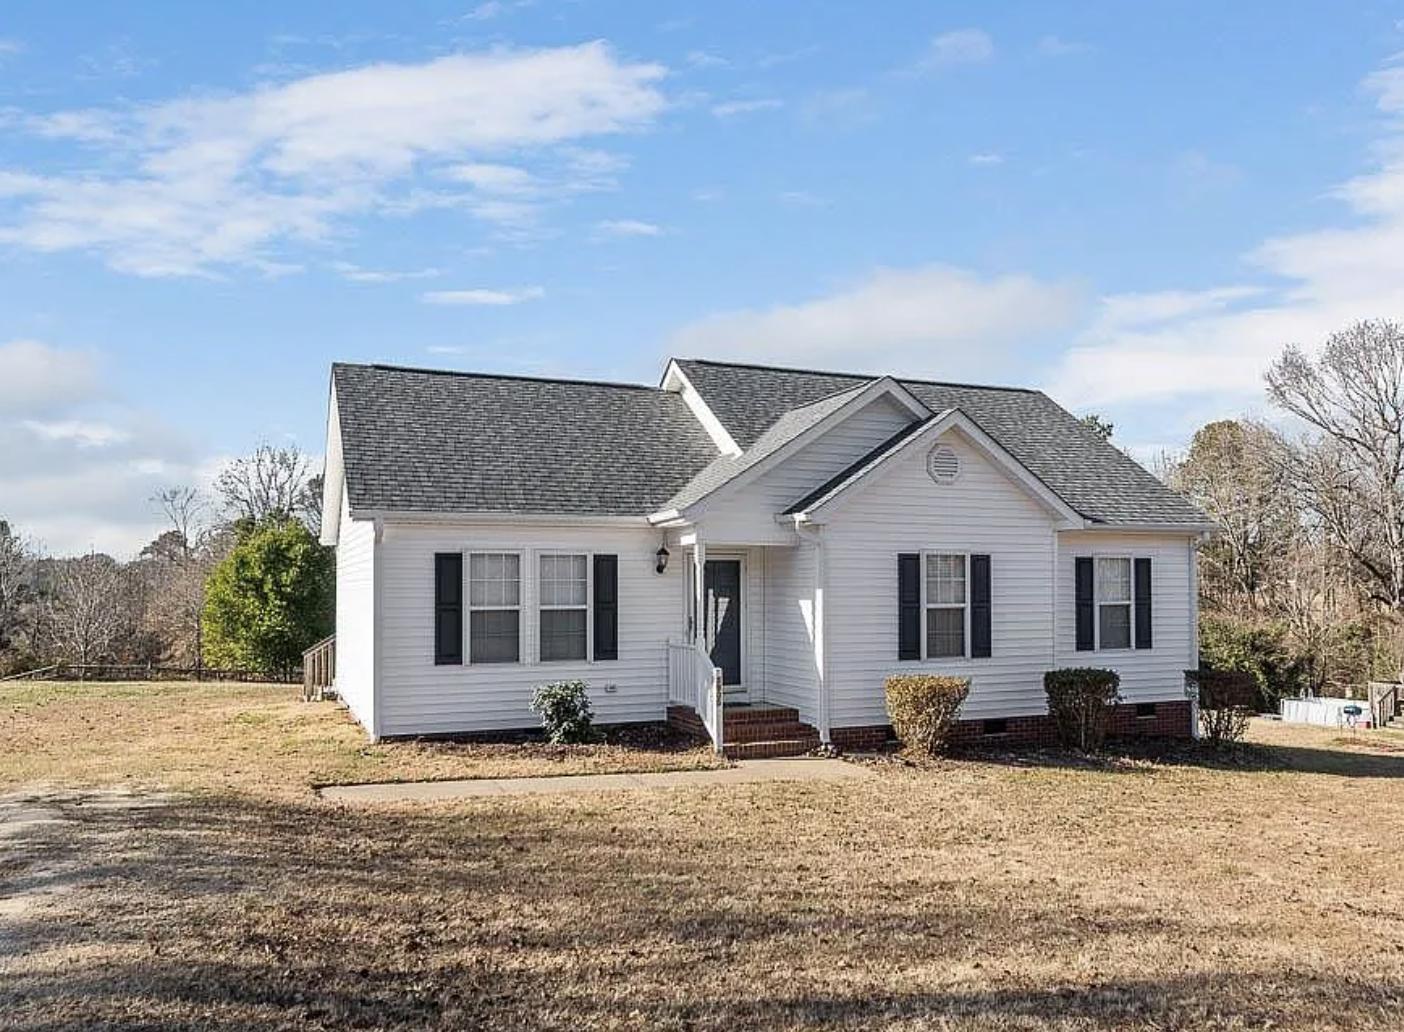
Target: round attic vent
(943, 464)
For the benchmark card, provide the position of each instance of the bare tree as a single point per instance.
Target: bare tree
(1352, 395)
(16, 584)
(1237, 472)
(269, 484)
(88, 609)
(182, 557)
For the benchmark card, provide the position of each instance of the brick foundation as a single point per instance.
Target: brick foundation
(1169, 720)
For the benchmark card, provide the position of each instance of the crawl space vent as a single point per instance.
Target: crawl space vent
(943, 464)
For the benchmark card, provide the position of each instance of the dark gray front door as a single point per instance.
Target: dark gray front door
(723, 596)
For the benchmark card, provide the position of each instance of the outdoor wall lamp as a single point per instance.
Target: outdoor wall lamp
(660, 559)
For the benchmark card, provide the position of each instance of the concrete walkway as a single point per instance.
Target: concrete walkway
(747, 772)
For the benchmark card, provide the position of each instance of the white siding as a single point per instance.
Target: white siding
(903, 510)
(791, 678)
(746, 515)
(355, 616)
(1147, 675)
(418, 697)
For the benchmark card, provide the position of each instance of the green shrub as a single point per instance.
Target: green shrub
(1226, 700)
(922, 708)
(566, 714)
(1260, 650)
(1080, 701)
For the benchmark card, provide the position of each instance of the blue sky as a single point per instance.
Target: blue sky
(1131, 206)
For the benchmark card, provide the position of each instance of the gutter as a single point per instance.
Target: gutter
(534, 518)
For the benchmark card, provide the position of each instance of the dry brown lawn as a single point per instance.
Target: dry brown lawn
(1006, 892)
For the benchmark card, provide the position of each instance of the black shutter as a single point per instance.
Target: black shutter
(606, 604)
(448, 608)
(980, 640)
(1086, 636)
(909, 606)
(1143, 603)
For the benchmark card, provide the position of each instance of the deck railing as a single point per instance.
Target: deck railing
(1384, 701)
(319, 669)
(694, 681)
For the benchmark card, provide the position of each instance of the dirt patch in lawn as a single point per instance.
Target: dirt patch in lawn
(263, 738)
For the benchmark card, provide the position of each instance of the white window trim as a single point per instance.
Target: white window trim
(538, 607)
(925, 605)
(469, 608)
(1097, 604)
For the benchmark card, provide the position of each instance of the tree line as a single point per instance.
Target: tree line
(236, 580)
(1303, 583)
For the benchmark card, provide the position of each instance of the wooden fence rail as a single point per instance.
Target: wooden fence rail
(319, 669)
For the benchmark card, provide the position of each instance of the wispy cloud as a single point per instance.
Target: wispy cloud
(201, 184)
(802, 199)
(9, 47)
(706, 59)
(483, 296)
(986, 158)
(82, 434)
(356, 274)
(960, 47)
(731, 108)
(628, 228)
(847, 108)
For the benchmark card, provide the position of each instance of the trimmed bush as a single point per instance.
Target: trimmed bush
(566, 714)
(922, 708)
(1226, 700)
(1080, 701)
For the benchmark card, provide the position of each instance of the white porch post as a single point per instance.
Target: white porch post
(699, 595)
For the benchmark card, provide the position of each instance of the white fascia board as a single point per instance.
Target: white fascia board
(882, 386)
(333, 476)
(953, 419)
(674, 379)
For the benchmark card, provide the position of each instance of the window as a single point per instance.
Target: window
(1114, 603)
(946, 599)
(564, 601)
(494, 607)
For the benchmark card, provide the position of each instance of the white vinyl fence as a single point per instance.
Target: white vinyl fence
(1326, 712)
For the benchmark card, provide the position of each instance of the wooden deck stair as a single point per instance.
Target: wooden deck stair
(754, 732)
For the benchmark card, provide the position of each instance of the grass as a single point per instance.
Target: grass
(261, 738)
(1018, 891)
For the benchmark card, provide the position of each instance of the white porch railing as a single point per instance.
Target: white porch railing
(694, 681)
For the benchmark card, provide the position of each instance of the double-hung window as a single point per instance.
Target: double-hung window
(494, 607)
(1113, 602)
(563, 603)
(947, 599)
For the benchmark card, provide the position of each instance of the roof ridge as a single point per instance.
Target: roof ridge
(479, 375)
(859, 376)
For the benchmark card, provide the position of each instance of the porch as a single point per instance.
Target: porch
(746, 673)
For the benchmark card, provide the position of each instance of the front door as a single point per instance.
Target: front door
(723, 628)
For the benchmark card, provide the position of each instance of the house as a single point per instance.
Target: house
(747, 550)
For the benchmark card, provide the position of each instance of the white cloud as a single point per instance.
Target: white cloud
(1213, 345)
(628, 228)
(846, 108)
(803, 199)
(36, 377)
(731, 108)
(986, 158)
(356, 274)
(208, 182)
(83, 434)
(704, 59)
(933, 320)
(960, 47)
(483, 296)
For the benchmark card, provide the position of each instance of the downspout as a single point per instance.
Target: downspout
(377, 630)
(1193, 562)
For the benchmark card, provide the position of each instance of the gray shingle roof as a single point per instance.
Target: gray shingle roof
(424, 441)
(780, 433)
(1094, 478)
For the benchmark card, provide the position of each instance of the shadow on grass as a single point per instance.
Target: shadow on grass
(227, 913)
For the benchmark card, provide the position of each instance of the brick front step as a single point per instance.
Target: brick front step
(753, 733)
